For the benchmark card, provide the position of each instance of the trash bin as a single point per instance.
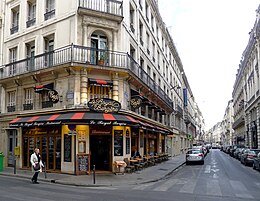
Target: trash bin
(1, 162)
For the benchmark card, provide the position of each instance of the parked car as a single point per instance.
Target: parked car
(256, 162)
(194, 155)
(240, 153)
(248, 155)
(236, 152)
(233, 148)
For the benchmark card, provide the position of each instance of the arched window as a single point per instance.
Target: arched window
(99, 54)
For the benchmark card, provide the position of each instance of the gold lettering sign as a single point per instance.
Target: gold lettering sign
(105, 105)
(135, 102)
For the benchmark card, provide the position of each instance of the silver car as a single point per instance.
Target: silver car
(194, 155)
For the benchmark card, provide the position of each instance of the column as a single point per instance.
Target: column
(83, 86)
(115, 87)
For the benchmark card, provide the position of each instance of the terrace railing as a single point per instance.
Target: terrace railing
(80, 55)
(107, 6)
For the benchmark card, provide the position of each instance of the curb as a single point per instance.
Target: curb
(93, 185)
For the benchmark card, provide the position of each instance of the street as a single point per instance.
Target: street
(220, 178)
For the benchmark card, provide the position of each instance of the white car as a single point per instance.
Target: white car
(194, 155)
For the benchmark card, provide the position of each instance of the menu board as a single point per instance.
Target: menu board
(67, 148)
(83, 163)
(118, 142)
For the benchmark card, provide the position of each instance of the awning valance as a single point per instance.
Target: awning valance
(43, 87)
(99, 82)
(72, 117)
(91, 118)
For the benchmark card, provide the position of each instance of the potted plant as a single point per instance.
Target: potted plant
(102, 58)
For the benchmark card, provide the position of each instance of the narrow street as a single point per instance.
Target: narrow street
(221, 178)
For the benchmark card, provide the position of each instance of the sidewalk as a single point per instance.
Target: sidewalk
(146, 175)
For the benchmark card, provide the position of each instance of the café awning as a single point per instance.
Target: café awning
(73, 117)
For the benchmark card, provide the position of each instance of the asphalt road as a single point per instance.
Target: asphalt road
(221, 178)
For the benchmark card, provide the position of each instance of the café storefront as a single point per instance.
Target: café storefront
(101, 138)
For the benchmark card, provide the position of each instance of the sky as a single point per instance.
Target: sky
(210, 37)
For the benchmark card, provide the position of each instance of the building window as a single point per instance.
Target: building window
(99, 45)
(46, 103)
(28, 99)
(15, 20)
(99, 92)
(30, 53)
(12, 60)
(153, 51)
(49, 48)
(147, 11)
(148, 42)
(141, 4)
(31, 13)
(141, 33)
(11, 101)
(50, 9)
(152, 22)
(132, 17)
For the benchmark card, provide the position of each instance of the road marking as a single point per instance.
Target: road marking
(240, 187)
(213, 188)
(166, 185)
(188, 187)
(207, 169)
(142, 186)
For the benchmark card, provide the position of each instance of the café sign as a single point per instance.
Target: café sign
(136, 102)
(105, 105)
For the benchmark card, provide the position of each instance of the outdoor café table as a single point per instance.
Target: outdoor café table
(119, 165)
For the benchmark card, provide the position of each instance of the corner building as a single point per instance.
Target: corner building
(86, 77)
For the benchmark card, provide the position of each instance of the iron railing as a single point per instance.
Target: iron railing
(107, 6)
(83, 56)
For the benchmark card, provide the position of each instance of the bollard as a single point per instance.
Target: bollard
(94, 174)
(14, 165)
(45, 175)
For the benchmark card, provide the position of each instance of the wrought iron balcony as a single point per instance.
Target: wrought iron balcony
(14, 29)
(28, 106)
(113, 7)
(11, 108)
(80, 55)
(48, 15)
(30, 22)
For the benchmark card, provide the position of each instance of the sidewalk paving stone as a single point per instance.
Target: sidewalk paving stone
(149, 174)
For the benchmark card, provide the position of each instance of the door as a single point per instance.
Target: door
(12, 143)
(100, 148)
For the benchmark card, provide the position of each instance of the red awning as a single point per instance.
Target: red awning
(99, 82)
(91, 118)
(73, 117)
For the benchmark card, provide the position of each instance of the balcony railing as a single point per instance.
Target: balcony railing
(107, 6)
(11, 108)
(83, 56)
(49, 14)
(30, 22)
(14, 29)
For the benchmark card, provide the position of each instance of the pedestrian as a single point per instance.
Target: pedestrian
(36, 165)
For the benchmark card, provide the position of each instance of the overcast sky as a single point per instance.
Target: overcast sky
(210, 37)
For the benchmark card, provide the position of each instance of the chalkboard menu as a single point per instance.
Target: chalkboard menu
(118, 142)
(67, 148)
(83, 163)
(127, 145)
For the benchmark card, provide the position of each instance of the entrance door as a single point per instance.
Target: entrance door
(100, 148)
(12, 143)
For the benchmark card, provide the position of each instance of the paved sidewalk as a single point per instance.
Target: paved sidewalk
(149, 174)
